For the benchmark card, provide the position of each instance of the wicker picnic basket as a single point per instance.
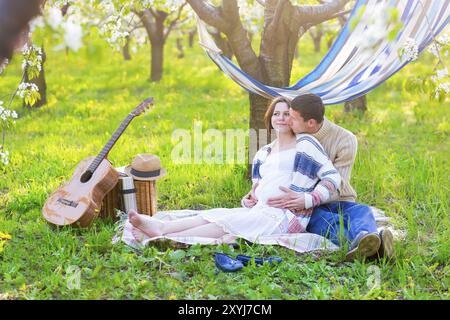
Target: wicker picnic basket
(111, 202)
(146, 170)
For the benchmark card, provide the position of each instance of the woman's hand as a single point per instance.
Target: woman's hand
(250, 200)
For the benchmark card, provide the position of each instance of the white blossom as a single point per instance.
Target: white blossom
(68, 27)
(73, 34)
(112, 31)
(377, 28)
(434, 49)
(6, 115)
(32, 57)
(3, 65)
(444, 39)
(54, 17)
(252, 15)
(36, 23)
(410, 50)
(58, 3)
(166, 5)
(26, 89)
(442, 73)
(107, 6)
(445, 86)
(442, 88)
(4, 156)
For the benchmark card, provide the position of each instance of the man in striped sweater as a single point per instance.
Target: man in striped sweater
(339, 218)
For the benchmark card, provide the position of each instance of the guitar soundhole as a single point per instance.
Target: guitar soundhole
(86, 177)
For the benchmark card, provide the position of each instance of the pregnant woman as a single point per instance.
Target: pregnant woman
(295, 162)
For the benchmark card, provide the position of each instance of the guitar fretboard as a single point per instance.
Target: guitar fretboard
(108, 146)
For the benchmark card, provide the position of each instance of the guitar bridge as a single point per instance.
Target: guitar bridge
(68, 202)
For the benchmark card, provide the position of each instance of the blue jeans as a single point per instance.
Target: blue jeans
(341, 221)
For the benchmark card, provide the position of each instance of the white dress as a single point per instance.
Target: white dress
(261, 224)
(261, 220)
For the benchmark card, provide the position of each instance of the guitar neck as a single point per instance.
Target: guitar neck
(108, 146)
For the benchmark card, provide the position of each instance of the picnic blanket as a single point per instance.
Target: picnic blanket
(300, 242)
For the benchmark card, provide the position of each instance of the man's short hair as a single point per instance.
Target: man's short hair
(310, 106)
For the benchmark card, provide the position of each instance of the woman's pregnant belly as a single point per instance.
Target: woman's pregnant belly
(269, 186)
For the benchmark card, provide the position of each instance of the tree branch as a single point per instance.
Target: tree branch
(209, 13)
(340, 14)
(226, 19)
(274, 22)
(135, 27)
(313, 15)
(174, 21)
(231, 13)
(148, 19)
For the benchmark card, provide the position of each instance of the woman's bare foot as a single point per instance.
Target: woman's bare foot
(138, 235)
(150, 226)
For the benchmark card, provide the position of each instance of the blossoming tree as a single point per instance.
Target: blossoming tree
(283, 24)
(122, 20)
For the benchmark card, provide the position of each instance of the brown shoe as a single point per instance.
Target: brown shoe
(365, 245)
(387, 244)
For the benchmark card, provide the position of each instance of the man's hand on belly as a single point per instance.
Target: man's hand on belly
(291, 200)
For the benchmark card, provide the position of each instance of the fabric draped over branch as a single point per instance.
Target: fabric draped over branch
(351, 68)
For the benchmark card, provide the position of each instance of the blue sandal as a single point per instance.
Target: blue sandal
(227, 263)
(246, 259)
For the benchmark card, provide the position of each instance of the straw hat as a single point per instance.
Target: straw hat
(146, 167)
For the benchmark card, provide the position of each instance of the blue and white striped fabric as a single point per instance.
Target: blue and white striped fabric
(351, 68)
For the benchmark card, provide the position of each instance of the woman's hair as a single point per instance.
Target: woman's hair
(269, 112)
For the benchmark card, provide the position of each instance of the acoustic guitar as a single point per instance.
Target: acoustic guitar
(78, 201)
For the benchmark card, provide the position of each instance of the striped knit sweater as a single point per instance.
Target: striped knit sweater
(313, 172)
(341, 146)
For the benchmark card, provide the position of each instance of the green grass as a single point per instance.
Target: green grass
(401, 167)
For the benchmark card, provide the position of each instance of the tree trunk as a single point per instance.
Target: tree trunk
(180, 48)
(317, 43)
(157, 52)
(40, 83)
(126, 49)
(258, 132)
(330, 42)
(192, 34)
(64, 9)
(258, 108)
(284, 24)
(316, 35)
(154, 25)
(359, 104)
(223, 44)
